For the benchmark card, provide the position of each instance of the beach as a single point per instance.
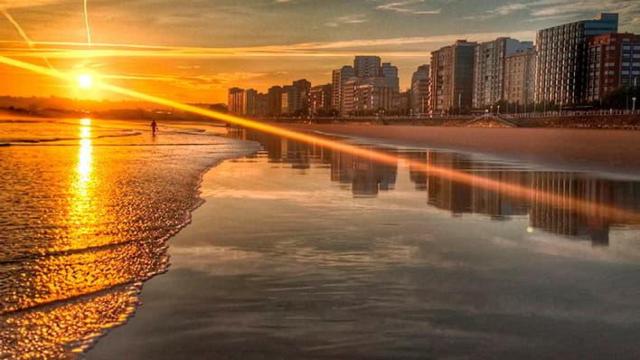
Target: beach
(227, 243)
(612, 151)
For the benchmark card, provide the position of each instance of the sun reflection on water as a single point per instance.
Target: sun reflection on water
(82, 214)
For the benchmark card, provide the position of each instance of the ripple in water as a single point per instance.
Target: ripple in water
(85, 223)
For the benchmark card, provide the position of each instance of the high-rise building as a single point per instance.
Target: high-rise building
(420, 90)
(294, 98)
(613, 63)
(390, 74)
(274, 100)
(366, 96)
(561, 69)
(367, 66)
(288, 100)
(262, 105)
(340, 77)
(401, 103)
(302, 87)
(519, 78)
(489, 69)
(250, 103)
(236, 101)
(320, 100)
(452, 77)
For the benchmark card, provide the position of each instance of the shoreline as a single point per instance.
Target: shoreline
(123, 283)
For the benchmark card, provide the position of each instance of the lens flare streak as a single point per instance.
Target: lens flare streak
(86, 21)
(23, 34)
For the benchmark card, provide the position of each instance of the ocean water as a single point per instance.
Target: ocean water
(301, 252)
(86, 209)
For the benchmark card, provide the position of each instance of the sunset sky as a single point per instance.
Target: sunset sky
(194, 50)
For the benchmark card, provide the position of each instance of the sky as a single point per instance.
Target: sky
(195, 50)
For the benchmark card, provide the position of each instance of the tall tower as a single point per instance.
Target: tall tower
(452, 77)
(340, 77)
(367, 66)
(561, 64)
(390, 74)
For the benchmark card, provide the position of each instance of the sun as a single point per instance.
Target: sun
(85, 81)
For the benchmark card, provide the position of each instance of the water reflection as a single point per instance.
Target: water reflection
(82, 207)
(584, 210)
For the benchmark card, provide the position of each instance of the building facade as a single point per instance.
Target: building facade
(339, 78)
(613, 63)
(420, 90)
(519, 78)
(367, 66)
(320, 100)
(489, 69)
(390, 74)
(236, 101)
(294, 99)
(561, 69)
(452, 78)
(367, 96)
(250, 103)
(274, 101)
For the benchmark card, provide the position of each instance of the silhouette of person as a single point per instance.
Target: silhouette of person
(154, 127)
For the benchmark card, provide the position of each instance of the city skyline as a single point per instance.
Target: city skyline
(586, 64)
(184, 56)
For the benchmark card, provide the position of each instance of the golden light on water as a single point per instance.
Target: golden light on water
(85, 155)
(82, 213)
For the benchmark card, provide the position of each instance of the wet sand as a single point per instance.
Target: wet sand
(304, 253)
(611, 151)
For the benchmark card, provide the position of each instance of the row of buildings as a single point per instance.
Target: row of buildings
(579, 63)
(363, 88)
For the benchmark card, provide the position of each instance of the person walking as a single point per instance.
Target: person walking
(154, 127)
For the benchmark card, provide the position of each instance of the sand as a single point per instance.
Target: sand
(610, 151)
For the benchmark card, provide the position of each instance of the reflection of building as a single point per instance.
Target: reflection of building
(561, 203)
(489, 69)
(493, 202)
(614, 62)
(579, 211)
(561, 67)
(452, 77)
(444, 193)
(367, 177)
